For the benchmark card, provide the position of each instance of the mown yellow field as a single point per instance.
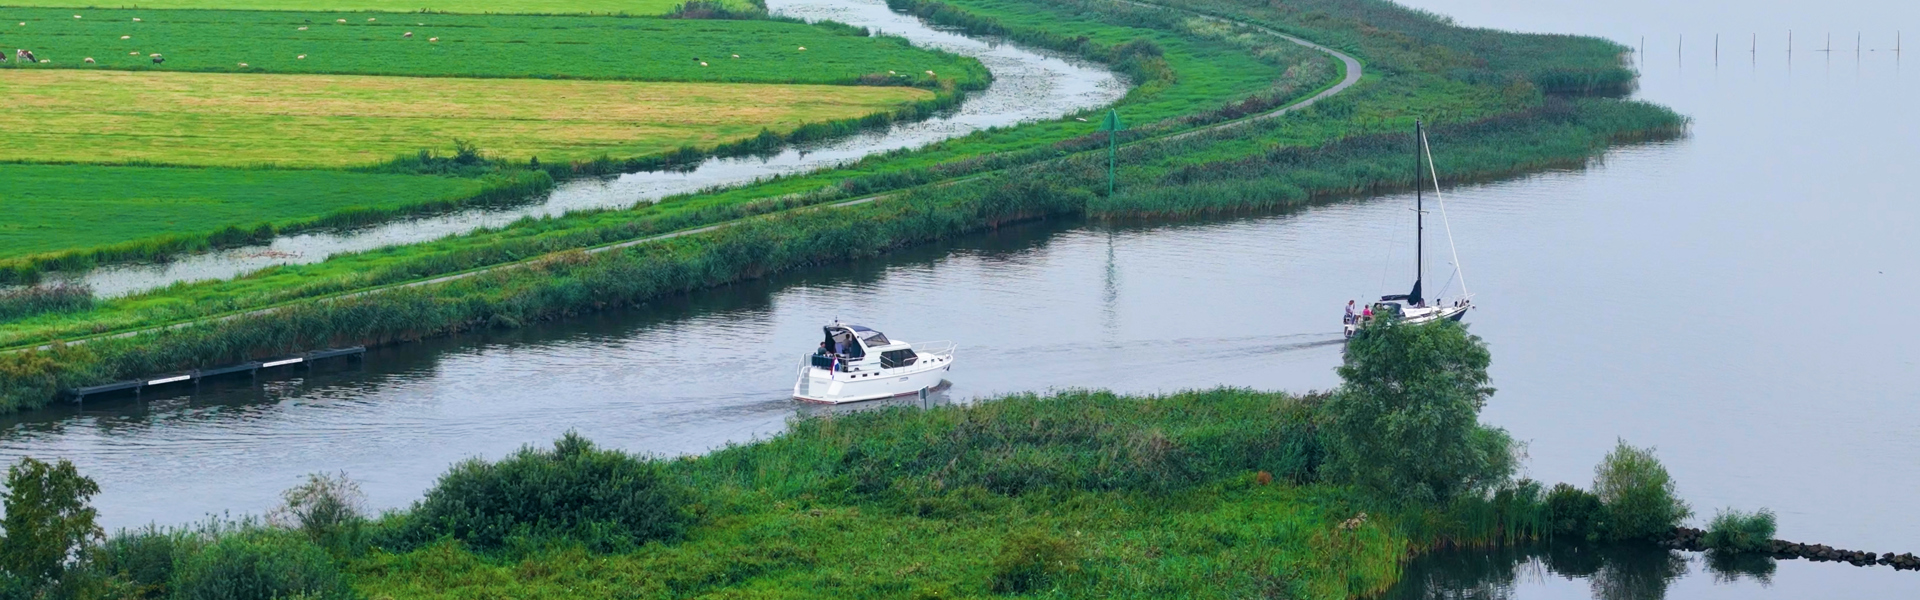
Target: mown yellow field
(343, 120)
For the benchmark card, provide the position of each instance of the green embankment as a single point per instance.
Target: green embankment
(1145, 498)
(1489, 119)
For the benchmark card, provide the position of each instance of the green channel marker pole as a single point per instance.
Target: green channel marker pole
(1112, 126)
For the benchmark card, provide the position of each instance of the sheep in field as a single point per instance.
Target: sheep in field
(89, 60)
(407, 34)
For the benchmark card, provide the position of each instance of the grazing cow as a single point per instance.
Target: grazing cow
(24, 55)
(301, 57)
(407, 34)
(89, 60)
(157, 59)
(136, 19)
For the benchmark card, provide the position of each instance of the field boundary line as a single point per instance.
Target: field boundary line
(1352, 69)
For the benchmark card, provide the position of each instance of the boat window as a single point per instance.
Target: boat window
(874, 338)
(842, 342)
(897, 358)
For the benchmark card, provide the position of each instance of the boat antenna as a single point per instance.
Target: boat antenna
(1457, 271)
(1419, 223)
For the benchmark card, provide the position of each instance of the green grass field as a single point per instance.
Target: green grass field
(561, 47)
(627, 7)
(56, 207)
(348, 120)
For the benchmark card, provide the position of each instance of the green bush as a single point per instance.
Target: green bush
(604, 499)
(141, 561)
(1032, 559)
(48, 522)
(1735, 531)
(1639, 495)
(328, 509)
(256, 563)
(1575, 514)
(1405, 422)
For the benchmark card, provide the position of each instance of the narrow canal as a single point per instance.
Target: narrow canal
(1735, 298)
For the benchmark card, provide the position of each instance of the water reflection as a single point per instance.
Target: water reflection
(1609, 572)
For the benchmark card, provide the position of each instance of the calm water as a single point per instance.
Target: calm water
(1733, 298)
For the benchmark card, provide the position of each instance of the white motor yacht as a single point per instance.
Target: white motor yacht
(1413, 307)
(857, 363)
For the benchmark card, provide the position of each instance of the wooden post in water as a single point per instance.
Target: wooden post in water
(1716, 49)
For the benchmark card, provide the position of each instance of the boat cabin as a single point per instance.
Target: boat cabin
(854, 348)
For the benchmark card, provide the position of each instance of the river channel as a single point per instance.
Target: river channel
(1027, 86)
(1734, 298)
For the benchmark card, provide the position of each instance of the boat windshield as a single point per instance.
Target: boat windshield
(841, 341)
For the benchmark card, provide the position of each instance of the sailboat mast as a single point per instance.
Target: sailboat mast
(1419, 222)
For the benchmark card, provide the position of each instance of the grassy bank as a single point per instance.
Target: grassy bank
(1126, 497)
(1342, 147)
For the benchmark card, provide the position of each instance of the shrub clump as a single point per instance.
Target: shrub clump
(1032, 559)
(328, 508)
(1638, 493)
(1574, 514)
(605, 499)
(1736, 532)
(257, 562)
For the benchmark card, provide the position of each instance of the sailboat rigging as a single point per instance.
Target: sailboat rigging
(1413, 307)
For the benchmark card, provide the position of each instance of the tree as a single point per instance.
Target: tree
(1638, 494)
(48, 522)
(1406, 421)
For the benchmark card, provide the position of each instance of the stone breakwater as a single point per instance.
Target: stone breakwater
(1688, 538)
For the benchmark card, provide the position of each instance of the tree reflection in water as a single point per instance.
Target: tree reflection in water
(1613, 572)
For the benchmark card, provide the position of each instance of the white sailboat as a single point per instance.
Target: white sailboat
(1413, 306)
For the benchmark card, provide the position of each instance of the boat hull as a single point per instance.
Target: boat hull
(821, 386)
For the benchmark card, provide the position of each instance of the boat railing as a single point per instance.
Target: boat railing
(942, 348)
